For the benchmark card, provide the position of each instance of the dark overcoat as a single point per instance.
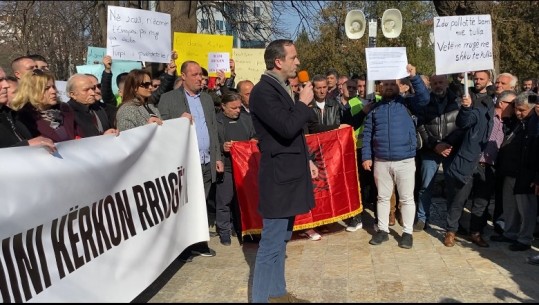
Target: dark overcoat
(285, 186)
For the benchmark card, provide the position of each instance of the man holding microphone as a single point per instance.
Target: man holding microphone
(285, 171)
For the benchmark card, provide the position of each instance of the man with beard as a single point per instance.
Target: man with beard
(389, 149)
(439, 133)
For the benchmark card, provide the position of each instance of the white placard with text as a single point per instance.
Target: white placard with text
(218, 61)
(386, 63)
(138, 35)
(463, 43)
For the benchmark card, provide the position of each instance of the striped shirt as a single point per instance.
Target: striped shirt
(495, 140)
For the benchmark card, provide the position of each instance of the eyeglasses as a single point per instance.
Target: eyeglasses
(155, 85)
(37, 72)
(146, 85)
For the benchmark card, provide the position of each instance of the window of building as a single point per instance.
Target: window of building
(257, 11)
(204, 24)
(220, 25)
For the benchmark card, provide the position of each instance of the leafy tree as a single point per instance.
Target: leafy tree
(331, 48)
(516, 28)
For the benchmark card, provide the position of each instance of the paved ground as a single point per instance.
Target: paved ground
(343, 267)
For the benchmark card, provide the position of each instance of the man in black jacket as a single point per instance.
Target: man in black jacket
(91, 115)
(326, 108)
(439, 134)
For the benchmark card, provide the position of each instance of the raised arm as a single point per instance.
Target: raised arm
(106, 82)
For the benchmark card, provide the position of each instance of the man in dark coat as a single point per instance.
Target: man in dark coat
(285, 170)
(464, 171)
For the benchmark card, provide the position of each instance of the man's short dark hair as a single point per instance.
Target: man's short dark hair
(37, 57)
(332, 72)
(204, 72)
(121, 78)
(318, 78)
(275, 50)
(487, 72)
(229, 97)
(362, 76)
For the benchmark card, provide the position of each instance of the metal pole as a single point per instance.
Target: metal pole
(373, 24)
(152, 5)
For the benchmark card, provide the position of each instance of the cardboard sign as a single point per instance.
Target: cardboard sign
(250, 64)
(197, 47)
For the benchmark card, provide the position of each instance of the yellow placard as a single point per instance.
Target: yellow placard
(191, 46)
(249, 64)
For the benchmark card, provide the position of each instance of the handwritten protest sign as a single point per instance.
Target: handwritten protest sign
(463, 43)
(95, 55)
(218, 61)
(250, 64)
(61, 91)
(117, 68)
(386, 63)
(141, 35)
(197, 47)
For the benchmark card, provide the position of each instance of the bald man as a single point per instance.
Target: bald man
(244, 89)
(91, 116)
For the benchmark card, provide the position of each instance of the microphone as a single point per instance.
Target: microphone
(303, 77)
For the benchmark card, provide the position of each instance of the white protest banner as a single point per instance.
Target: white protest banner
(218, 61)
(102, 218)
(139, 35)
(463, 43)
(61, 91)
(386, 63)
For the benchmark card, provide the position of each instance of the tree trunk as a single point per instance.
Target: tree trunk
(183, 19)
(102, 14)
(182, 14)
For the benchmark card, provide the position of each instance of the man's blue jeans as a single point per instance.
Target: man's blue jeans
(269, 272)
(430, 161)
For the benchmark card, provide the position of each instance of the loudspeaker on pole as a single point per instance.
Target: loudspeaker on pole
(355, 24)
(392, 23)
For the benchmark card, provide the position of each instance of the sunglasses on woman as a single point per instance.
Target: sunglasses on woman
(146, 85)
(37, 72)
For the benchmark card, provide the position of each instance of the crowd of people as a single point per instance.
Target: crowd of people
(486, 141)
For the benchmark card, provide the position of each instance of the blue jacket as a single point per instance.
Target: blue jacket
(390, 132)
(477, 122)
